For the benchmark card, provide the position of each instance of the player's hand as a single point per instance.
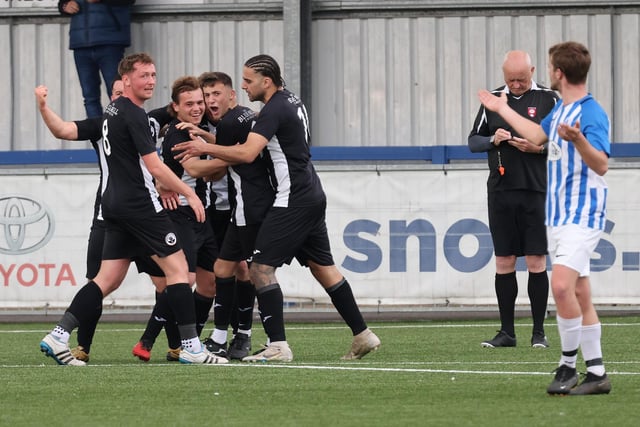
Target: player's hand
(568, 132)
(492, 102)
(196, 205)
(170, 200)
(524, 145)
(41, 95)
(196, 132)
(193, 129)
(187, 149)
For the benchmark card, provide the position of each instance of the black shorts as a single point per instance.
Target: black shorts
(288, 233)
(516, 222)
(146, 264)
(94, 247)
(136, 237)
(198, 242)
(219, 221)
(239, 242)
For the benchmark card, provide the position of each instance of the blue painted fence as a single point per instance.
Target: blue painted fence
(439, 154)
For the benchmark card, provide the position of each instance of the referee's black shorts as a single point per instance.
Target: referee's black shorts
(516, 222)
(293, 232)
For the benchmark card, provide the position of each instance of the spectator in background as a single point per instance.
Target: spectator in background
(99, 33)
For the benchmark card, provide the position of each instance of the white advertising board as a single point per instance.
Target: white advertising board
(401, 237)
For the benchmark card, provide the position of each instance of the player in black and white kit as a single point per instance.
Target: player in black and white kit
(516, 197)
(136, 223)
(198, 240)
(251, 195)
(295, 224)
(82, 130)
(217, 99)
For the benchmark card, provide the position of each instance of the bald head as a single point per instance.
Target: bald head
(517, 70)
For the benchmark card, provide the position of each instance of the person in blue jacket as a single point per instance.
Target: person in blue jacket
(99, 32)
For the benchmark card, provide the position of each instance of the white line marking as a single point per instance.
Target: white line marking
(324, 327)
(316, 367)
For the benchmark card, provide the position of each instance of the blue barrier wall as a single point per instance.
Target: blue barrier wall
(439, 154)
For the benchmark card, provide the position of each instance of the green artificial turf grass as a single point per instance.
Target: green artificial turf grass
(425, 373)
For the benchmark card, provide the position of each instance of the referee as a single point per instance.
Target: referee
(516, 190)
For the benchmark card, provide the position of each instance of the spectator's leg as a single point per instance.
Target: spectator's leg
(108, 58)
(89, 77)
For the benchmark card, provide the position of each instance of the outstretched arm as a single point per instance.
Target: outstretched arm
(523, 126)
(58, 127)
(200, 168)
(234, 154)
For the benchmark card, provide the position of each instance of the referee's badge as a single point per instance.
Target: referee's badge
(170, 239)
(531, 111)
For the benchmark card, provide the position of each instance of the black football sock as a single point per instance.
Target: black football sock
(245, 300)
(224, 302)
(183, 308)
(85, 308)
(172, 332)
(157, 320)
(538, 288)
(343, 300)
(233, 319)
(506, 287)
(203, 307)
(87, 330)
(270, 301)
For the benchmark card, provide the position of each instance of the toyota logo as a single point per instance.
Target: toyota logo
(26, 225)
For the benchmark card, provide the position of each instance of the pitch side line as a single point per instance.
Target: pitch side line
(325, 327)
(259, 365)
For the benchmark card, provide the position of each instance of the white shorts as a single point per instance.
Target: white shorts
(572, 245)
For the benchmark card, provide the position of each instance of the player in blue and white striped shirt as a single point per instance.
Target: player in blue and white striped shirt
(577, 194)
(578, 133)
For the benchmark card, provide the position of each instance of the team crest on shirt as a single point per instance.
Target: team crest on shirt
(170, 239)
(531, 111)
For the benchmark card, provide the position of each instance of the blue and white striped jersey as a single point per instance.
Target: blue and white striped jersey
(576, 194)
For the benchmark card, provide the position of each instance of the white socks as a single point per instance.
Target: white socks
(219, 336)
(60, 334)
(192, 345)
(570, 331)
(591, 348)
(587, 338)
